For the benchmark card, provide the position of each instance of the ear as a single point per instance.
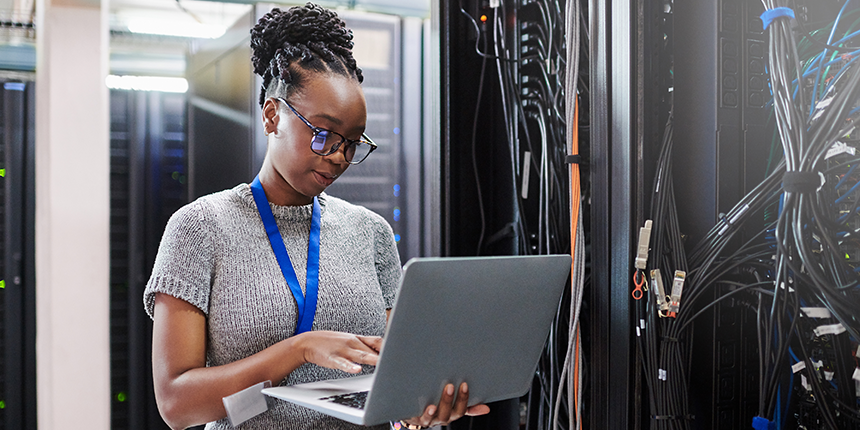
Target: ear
(270, 116)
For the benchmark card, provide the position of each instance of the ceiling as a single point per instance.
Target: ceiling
(135, 53)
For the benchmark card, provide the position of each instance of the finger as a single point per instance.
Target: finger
(462, 402)
(446, 404)
(476, 410)
(374, 342)
(427, 417)
(363, 355)
(337, 362)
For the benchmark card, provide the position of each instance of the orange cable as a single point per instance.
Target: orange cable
(574, 219)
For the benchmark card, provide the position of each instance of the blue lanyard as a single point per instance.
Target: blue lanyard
(305, 303)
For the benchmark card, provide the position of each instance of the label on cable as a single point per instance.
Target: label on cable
(661, 375)
(797, 367)
(856, 375)
(527, 164)
(857, 354)
(816, 312)
(495, 3)
(829, 329)
(642, 323)
(638, 334)
(828, 375)
(840, 148)
(805, 383)
(246, 404)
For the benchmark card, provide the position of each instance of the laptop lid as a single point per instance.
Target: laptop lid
(482, 320)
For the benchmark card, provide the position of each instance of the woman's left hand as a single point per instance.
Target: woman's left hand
(448, 409)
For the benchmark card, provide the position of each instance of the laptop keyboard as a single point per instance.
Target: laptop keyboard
(353, 400)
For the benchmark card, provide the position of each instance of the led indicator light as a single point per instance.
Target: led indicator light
(3, 173)
(121, 396)
(483, 18)
(397, 238)
(2, 284)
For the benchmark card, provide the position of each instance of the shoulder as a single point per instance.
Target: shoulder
(208, 208)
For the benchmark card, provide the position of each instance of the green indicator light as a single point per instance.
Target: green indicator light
(175, 175)
(3, 172)
(121, 397)
(2, 404)
(2, 284)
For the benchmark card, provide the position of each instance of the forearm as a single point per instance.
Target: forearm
(193, 396)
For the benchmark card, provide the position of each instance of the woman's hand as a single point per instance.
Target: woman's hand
(336, 350)
(449, 409)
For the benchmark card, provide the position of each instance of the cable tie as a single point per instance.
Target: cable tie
(574, 159)
(673, 417)
(761, 423)
(671, 339)
(769, 15)
(801, 182)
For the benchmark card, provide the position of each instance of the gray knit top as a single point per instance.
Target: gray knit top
(215, 255)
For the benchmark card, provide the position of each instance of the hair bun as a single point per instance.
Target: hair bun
(309, 34)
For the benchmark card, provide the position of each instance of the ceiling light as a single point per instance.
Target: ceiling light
(147, 83)
(170, 28)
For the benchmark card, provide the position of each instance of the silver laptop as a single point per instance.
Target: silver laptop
(482, 320)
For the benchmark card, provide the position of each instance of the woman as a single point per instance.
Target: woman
(229, 311)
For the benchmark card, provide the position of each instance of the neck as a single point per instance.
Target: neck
(278, 191)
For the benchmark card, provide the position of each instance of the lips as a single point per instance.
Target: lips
(324, 178)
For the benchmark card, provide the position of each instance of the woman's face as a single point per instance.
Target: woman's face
(332, 102)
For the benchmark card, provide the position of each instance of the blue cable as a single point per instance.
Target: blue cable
(823, 55)
(844, 196)
(842, 181)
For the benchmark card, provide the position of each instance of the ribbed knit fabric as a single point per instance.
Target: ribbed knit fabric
(215, 255)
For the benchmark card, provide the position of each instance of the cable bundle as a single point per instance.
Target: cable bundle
(798, 275)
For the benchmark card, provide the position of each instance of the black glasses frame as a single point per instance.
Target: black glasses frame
(365, 139)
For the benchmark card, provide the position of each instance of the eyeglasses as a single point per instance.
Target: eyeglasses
(327, 142)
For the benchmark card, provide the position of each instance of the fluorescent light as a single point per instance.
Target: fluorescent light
(172, 28)
(147, 83)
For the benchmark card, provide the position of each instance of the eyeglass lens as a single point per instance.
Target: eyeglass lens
(324, 142)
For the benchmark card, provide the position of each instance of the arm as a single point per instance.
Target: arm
(189, 393)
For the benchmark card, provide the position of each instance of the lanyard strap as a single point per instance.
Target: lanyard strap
(305, 303)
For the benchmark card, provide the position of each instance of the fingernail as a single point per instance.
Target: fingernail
(431, 410)
(449, 389)
(464, 388)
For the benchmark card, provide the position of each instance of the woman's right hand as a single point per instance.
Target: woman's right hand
(337, 350)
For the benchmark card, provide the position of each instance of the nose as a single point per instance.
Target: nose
(339, 156)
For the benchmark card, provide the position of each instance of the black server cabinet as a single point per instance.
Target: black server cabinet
(149, 182)
(722, 139)
(17, 256)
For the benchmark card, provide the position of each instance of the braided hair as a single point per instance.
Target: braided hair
(288, 45)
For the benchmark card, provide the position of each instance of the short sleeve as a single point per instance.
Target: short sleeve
(388, 268)
(184, 265)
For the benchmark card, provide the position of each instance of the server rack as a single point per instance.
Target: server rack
(17, 257)
(149, 181)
